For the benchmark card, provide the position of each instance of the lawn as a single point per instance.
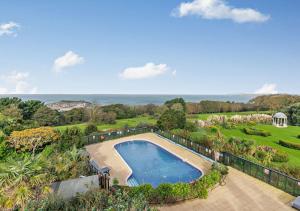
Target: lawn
(229, 114)
(289, 134)
(119, 123)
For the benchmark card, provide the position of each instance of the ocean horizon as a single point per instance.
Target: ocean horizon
(129, 99)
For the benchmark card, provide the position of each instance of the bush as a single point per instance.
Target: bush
(263, 156)
(289, 144)
(95, 199)
(280, 157)
(190, 126)
(239, 146)
(257, 132)
(91, 128)
(33, 139)
(115, 181)
(293, 114)
(163, 193)
(182, 133)
(172, 119)
(71, 136)
(170, 193)
(220, 168)
(298, 136)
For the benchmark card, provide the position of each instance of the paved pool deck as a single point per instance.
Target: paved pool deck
(106, 155)
(241, 192)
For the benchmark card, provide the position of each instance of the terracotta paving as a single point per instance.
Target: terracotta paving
(241, 192)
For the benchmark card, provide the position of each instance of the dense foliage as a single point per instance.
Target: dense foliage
(45, 116)
(208, 106)
(24, 177)
(91, 128)
(96, 199)
(274, 102)
(32, 139)
(176, 104)
(171, 119)
(170, 193)
(293, 114)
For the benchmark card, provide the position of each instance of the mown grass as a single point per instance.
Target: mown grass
(289, 134)
(121, 123)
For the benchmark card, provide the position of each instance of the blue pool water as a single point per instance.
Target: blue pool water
(154, 165)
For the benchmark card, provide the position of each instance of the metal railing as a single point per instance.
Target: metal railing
(268, 175)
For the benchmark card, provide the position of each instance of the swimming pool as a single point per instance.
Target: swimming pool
(154, 165)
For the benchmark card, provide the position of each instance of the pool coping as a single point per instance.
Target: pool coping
(146, 140)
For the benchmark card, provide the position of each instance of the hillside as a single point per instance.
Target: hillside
(275, 102)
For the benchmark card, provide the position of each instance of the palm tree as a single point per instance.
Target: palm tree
(19, 178)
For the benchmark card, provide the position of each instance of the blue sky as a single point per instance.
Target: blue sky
(150, 47)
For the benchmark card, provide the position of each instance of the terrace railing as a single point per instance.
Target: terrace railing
(99, 137)
(207, 152)
(270, 176)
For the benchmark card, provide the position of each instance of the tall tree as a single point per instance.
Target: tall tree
(47, 117)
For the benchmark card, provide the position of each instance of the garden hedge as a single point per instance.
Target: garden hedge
(257, 132)
(289, 144)
(170, 193)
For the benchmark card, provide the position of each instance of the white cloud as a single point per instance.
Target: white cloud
(18, 83)
(9, 28)
(219, 9)
(267, 89)
(174, 72)
(3, 90)
(68, 60)
(149, 70)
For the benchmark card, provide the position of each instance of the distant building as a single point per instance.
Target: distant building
(280, 120)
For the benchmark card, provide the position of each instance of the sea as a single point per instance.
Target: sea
(129, 99)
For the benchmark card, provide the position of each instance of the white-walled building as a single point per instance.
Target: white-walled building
(280, 120)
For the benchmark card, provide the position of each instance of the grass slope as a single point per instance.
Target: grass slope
(289, 134)
(119, 123)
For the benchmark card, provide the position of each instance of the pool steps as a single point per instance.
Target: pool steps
(132, 182)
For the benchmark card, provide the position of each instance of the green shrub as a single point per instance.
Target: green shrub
(220, 168)
(190, 126)
(298, 136)
(293, 171)
(171, 119)
(257, 132)
(91, 128)
(280, 157)
(261, 155)
(240, 146)
(207, 141)
(163, 193)
(115, 181)
(95, 199)
(69, 137)
(146, 190)
(289, 144)
(181, 191)
(169, 193)
(214, 129)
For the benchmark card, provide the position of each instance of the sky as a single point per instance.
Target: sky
(149, 47)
